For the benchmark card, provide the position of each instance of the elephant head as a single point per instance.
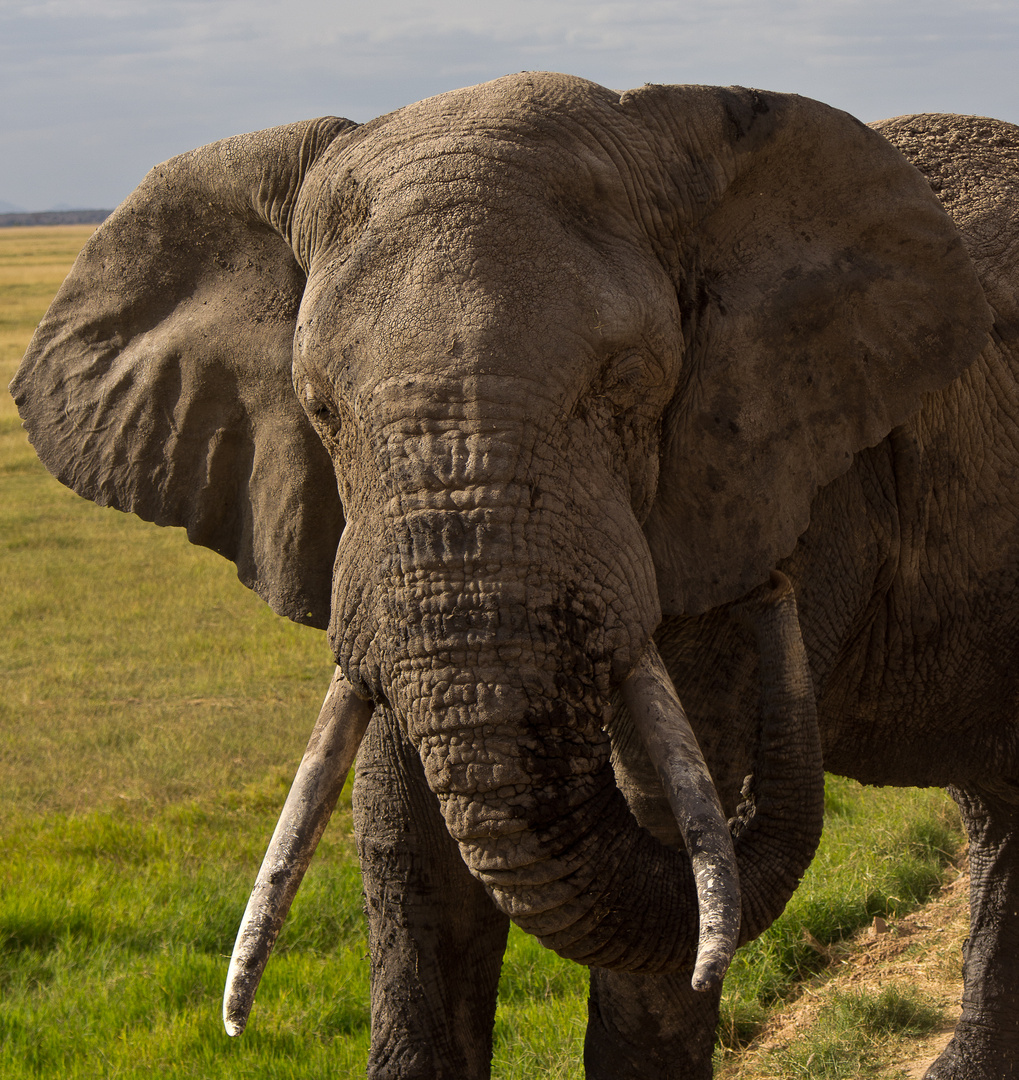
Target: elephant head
(488, 385)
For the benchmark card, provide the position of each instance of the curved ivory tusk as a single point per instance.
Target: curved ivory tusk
(331, 749)
(658, 715)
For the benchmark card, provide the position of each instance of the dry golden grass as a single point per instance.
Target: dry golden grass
(33, 263)
(134, 665)
(918, 955)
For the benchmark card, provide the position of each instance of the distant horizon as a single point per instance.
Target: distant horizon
(7, 209)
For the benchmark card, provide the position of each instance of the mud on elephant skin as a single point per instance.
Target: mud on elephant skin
(504, 388)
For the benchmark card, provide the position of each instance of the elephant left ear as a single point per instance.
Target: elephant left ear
(160, 380)
(824, 292)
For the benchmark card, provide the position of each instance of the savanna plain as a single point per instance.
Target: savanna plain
(152, 715)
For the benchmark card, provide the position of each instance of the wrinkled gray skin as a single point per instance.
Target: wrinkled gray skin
(585, 367)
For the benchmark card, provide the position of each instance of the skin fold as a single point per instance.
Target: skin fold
(507, 384)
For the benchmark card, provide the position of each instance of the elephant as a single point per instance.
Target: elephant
(644, 454)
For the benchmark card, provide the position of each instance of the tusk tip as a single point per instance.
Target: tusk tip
(709, 972)
(235, 1016)
(234, 1027)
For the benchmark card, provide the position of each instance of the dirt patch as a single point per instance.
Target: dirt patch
(921, 951)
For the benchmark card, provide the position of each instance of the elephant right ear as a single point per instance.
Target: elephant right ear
(824, 292)
(159, 381)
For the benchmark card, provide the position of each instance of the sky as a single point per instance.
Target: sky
(95, 92)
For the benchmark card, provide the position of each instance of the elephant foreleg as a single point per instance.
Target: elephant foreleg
(649, 1027)
(436, 939)
(986, 1041)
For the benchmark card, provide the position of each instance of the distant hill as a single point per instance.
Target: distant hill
(56, 217)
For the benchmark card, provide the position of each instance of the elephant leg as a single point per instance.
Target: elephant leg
(436, 939)
(986, 1041)
(649, 1027)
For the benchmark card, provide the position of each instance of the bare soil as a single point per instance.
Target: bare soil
(921, 951)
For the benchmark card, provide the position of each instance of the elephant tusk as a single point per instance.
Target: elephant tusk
(659, 718)
(331, 749)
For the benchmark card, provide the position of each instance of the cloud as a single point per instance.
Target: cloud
(96, 91)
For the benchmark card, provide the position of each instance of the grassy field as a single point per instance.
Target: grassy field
(152, 715)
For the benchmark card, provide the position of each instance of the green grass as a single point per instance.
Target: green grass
(115, 928)
(884, 851)
(852, 1028)
(152, 715)
(113, 959)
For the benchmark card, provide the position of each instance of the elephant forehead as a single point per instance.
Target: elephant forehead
(530, 123)
(486, 302)
(504, 294)
(478, 185)
(468, 156)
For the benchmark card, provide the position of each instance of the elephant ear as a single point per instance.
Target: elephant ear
(824, 292)
(159, 381)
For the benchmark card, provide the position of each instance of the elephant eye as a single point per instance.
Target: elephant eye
(628, 371)
(632, 380)
(321, 410)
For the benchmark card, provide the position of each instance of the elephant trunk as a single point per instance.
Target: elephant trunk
(607, 895)
(528, 792)
(476, 626)
(778, 826)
